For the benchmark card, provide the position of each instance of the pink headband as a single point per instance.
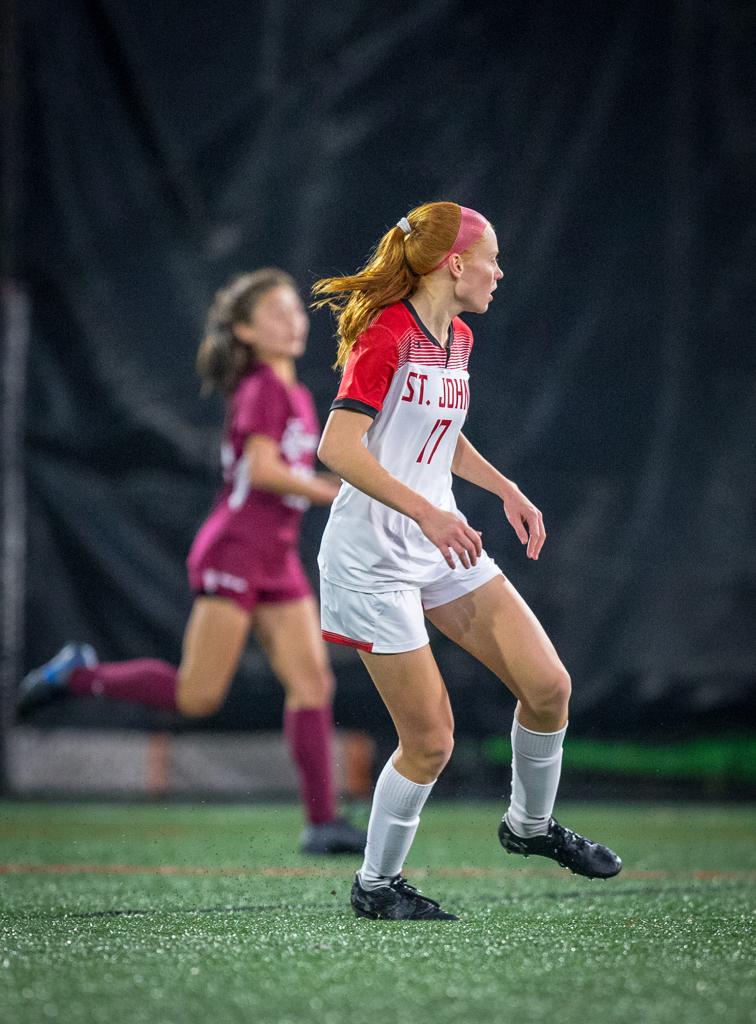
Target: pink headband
(471, 226)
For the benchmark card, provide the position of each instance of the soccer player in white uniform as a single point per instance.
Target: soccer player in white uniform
(396, 550)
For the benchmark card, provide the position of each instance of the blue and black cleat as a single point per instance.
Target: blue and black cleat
(48, 682)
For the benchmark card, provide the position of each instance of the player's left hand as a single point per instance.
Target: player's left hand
(526, 520)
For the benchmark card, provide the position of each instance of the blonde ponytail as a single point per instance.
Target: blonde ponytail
(392, 273)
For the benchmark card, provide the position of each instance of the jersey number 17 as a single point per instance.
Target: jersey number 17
(444, 425)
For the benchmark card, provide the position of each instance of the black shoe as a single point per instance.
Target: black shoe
(396, 901)
(47, 682)
(337, 836)
(574, 852)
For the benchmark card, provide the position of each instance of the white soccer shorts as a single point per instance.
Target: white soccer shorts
(393, 621)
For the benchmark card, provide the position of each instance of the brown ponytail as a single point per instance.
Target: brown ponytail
(222, 360)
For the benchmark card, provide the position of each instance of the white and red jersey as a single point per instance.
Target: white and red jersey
(418, 394)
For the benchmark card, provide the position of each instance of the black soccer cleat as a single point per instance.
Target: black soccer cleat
(332, 837)
(396, 901)
(574, 852)
(46, 683)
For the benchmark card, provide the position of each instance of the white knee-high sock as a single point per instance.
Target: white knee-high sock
(536, 766)
(394, 818)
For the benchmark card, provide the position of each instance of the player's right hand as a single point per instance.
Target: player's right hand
(326, 487)
(451, 534)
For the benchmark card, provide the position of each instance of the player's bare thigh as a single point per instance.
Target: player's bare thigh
(498, 628)
(289, 633)
(214, 639)
(411, 687)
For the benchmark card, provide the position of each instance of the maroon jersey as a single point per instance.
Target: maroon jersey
(249, 540)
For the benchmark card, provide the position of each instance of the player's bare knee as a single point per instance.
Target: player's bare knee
(437, 760)
(197, 705)
(562, 689)
(433, 752)
(311, 689)
(551, 697)
(326, 684)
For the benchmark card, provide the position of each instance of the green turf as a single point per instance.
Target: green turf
(720, 759)
(222, 936)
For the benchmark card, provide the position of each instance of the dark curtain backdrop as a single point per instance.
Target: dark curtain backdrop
(169, 145)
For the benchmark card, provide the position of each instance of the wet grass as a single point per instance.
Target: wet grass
(196, 914)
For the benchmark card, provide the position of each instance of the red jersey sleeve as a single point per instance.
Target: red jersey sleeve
(463, 332)
(369, 371)
(261, 406)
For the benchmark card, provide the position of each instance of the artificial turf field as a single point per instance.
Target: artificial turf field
(207, 913)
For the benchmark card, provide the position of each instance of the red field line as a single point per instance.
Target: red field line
(317, 872)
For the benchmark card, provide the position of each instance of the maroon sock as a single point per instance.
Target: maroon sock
(141, 681)
(309, 734)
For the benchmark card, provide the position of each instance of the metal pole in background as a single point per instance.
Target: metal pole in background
(14, 323)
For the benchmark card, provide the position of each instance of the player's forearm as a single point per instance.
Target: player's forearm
(279, 479)
(470, 465)
(362, 470)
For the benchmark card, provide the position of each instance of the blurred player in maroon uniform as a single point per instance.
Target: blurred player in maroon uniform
(397, 550)
(244, 566)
